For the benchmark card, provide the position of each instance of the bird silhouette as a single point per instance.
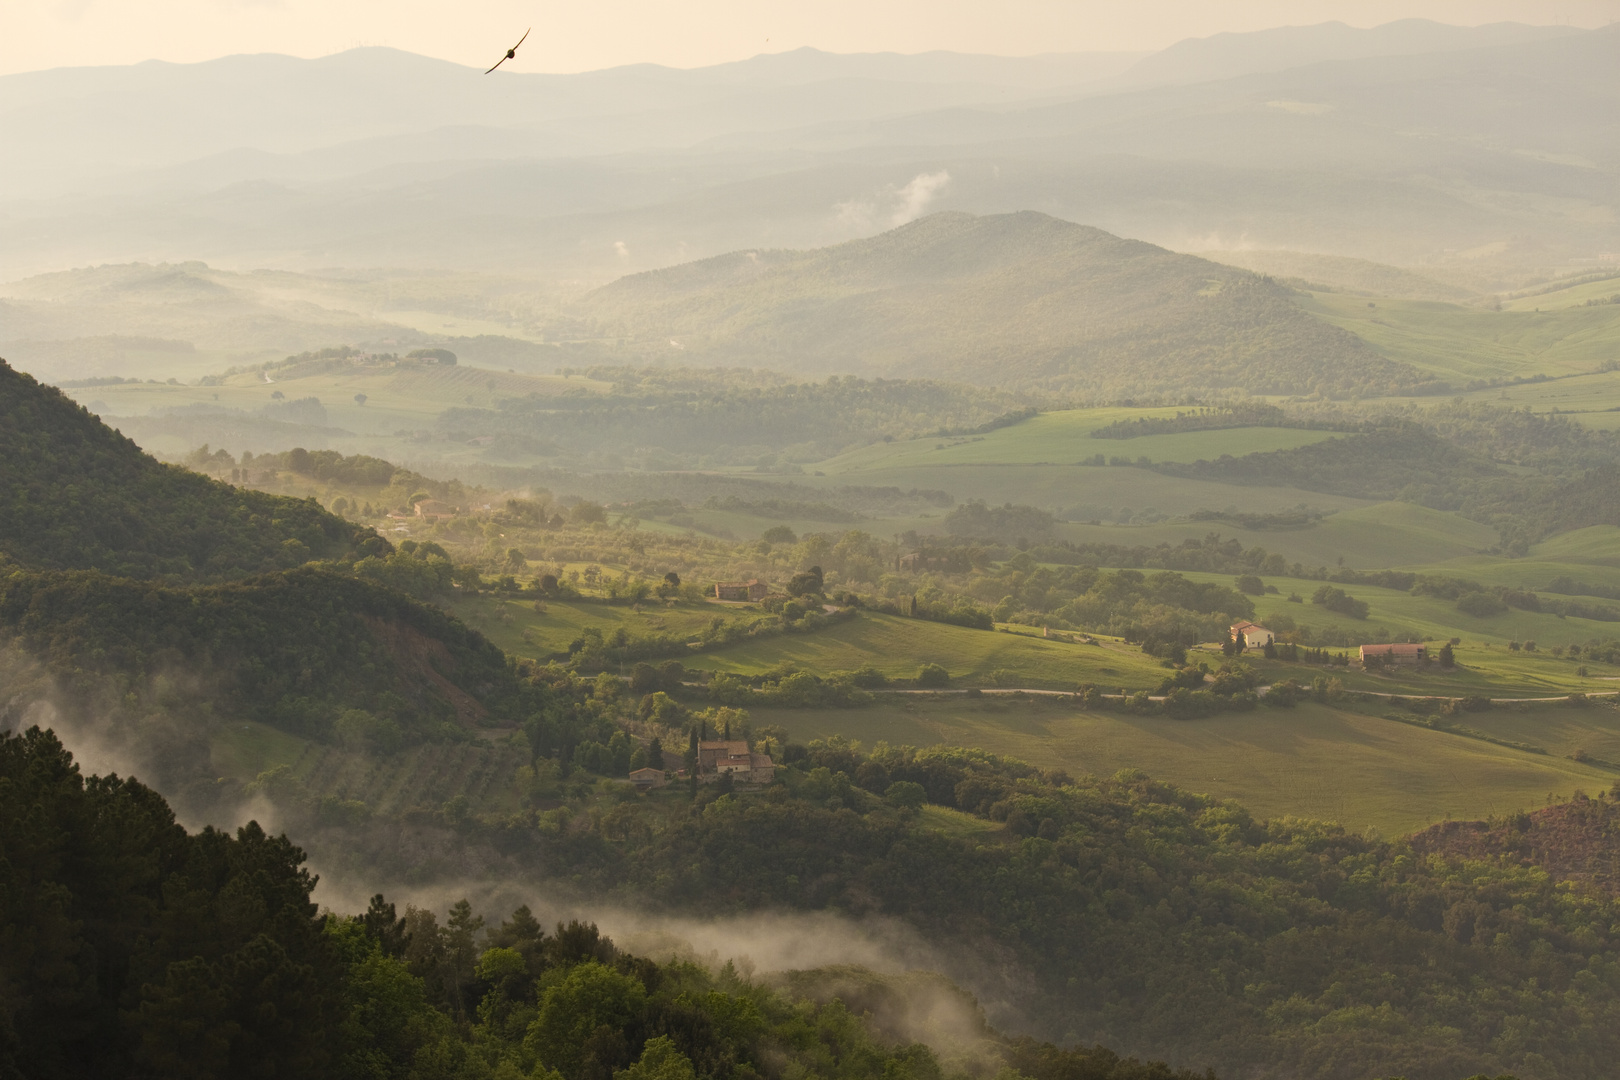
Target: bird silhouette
(510, 53)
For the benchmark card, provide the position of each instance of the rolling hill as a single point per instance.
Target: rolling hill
(1022, 300)
(77, 495)
(144, 606)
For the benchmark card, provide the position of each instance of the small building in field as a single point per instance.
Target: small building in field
(647, 779)
(1253, 635)
(1400, 653)
(753, 590)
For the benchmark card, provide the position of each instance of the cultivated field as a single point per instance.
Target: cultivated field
(1311, 761)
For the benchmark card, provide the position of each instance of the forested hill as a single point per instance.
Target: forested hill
(136, 949)
(75, 494)
(1012, 300)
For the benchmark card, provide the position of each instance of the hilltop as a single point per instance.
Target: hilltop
(1022, 300)
(78, 495)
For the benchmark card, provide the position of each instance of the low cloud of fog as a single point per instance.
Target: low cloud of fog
(760, 944)
(170, 754)
(166, 752)
(892, 206)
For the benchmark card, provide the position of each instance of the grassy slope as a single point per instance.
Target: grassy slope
(1064, 437)
(1085, 486)
(1367, 537)
(1312, 761)
(1463, 343)
(1341, 272)
(407, 399)
(520, 630)
(1428, 618)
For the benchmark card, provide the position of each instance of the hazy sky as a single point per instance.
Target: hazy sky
(576, 36)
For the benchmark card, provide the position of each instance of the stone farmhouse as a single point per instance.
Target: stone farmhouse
(1394, 654)
(1253, 635)
(719, 757)
(647, 779)
(752, 590)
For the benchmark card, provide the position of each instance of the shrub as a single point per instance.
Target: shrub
(906, 794)
(1480, 604)
(1335, 599)
(933, 676)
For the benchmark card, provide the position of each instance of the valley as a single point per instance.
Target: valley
(1090, 566)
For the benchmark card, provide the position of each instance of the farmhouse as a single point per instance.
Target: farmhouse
(1253, 635)
(1394, 654)
(647, 779)
(719, 757)
(752, 590)
(434, 510)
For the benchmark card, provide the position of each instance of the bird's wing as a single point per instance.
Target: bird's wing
(498, 63)
(522, 39)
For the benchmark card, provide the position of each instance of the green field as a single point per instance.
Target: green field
(1310, 761)
(407, 398)
(520, 630)
(1064, 438)
(1091, 491)
(1369, 536)
(1462, 343)
(898, 646)
(1423, 618)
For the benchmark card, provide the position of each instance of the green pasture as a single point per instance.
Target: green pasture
(521, 630)
(1483, 670)
(1064, 438)
(1310, 761)
(1573, 296)
(406, 397)
(1424, 618)
(1590, 555)
(1469, 343)
(1091, 491)
(1561, 730)
(898, 646)
(1370, 536)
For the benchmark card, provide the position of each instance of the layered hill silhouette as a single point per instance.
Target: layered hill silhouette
(1010, 300)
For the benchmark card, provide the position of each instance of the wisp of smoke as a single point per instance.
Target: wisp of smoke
(892, 207)
(915, 196)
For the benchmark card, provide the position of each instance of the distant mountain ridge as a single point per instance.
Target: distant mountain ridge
(1013, 300)
(1496, 145)
(1225, 56)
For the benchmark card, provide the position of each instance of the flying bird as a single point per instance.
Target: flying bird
(510, 53)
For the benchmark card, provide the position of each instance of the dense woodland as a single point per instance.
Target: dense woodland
(134, 948)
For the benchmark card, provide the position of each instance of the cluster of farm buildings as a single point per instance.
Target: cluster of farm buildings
(1255, 636)
(717, 758)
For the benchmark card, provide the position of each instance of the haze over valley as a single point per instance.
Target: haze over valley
(861, 565)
